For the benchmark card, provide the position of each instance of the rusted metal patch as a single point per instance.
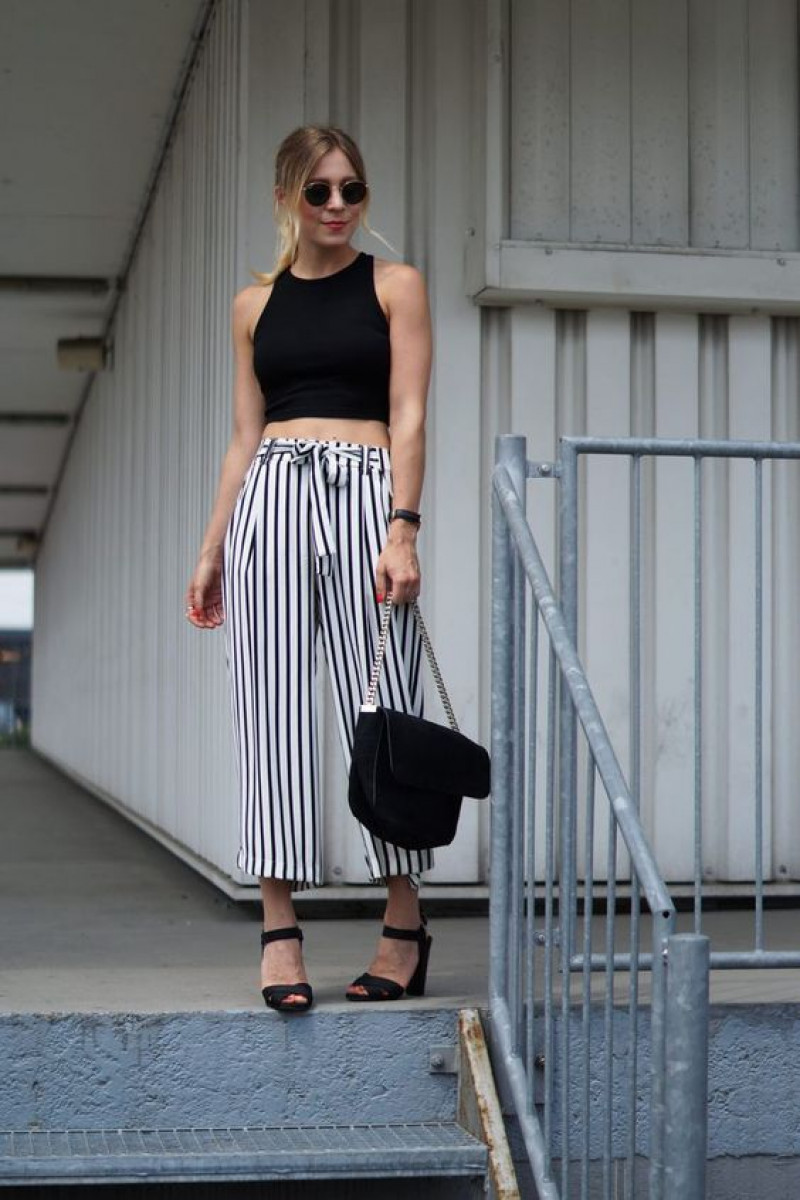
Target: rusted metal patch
(478, 1105)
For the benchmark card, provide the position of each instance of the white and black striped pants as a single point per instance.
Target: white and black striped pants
(300, 552)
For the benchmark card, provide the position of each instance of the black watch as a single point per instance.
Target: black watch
(405, 514)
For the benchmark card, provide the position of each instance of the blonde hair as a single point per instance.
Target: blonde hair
(298, 155)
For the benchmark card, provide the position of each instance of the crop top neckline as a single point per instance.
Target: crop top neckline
(324, 278)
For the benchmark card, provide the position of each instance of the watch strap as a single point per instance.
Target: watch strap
(405, 514)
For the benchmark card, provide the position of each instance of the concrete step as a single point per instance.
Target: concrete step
(430, 1150)
(227, 1069)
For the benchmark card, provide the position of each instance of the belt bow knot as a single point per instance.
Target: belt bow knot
(329, 465)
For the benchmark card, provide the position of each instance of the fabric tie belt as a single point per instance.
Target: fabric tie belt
(330, 465)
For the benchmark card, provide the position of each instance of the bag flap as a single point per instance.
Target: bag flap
(424, 754)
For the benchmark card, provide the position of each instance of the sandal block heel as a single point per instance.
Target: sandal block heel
(416, 984)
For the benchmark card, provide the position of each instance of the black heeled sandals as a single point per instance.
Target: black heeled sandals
(276, 994)
(379, 988)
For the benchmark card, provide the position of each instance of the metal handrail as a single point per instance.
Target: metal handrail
(679, 991)
(610, 772)
(752, 541)
(684, 447)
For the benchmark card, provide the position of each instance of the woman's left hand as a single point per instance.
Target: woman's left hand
(397, 569)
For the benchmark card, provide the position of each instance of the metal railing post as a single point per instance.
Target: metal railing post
(513, 452)
(568, 771)
(568, 754)
(568, 537)
(678, 1132)
(508, 451)
(663, 927)
(686, 1100)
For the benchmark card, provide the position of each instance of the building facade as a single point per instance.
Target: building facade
(603, 199)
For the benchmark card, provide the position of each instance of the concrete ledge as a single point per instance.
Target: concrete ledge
(221, 1069)
(754, 1066)
(653, 278)
(749, 1178)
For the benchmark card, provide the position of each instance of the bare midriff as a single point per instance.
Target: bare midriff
(324, 429)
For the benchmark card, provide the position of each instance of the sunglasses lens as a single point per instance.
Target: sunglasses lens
(316, 193)
(354, 191)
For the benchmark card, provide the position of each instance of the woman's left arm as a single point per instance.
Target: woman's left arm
(411, 347)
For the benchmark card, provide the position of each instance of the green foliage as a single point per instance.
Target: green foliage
(17, 737)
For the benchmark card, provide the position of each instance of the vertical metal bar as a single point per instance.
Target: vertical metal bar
(588, 912)
(568, 599)
(567, 904)
(568, 538)
(509, 1065)
(568, 562)
(549, 837)
(635, 610)
(514, 450)
(663, 927)
(686, 1133)
(633, 1041)
(608, 1016)
(698, 694)
(636, 788)
(517, 816)
(530, 857)
(759, 702)
(502, 738)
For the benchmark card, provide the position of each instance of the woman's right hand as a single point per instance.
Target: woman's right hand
(204, 593)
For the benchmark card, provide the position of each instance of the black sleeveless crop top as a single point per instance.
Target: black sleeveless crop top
(321, 346)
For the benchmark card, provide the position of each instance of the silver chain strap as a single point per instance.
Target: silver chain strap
(383, 637)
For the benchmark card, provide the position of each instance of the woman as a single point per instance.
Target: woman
(315, 521)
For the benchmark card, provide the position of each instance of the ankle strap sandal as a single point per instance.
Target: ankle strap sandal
(276, 994)
(379, 988)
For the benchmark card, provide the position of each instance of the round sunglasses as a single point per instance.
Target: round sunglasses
(352, 192)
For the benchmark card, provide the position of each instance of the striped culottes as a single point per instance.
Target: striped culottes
(299, 559)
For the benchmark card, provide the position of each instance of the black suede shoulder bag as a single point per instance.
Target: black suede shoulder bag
(408, 775)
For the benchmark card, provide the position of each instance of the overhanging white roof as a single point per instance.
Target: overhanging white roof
(88, 89)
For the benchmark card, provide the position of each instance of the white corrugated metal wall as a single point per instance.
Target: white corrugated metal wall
(124, 696)
(630, 122)
(634, 123)
(127, 695)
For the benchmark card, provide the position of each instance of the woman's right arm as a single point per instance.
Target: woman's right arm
(204, 593)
